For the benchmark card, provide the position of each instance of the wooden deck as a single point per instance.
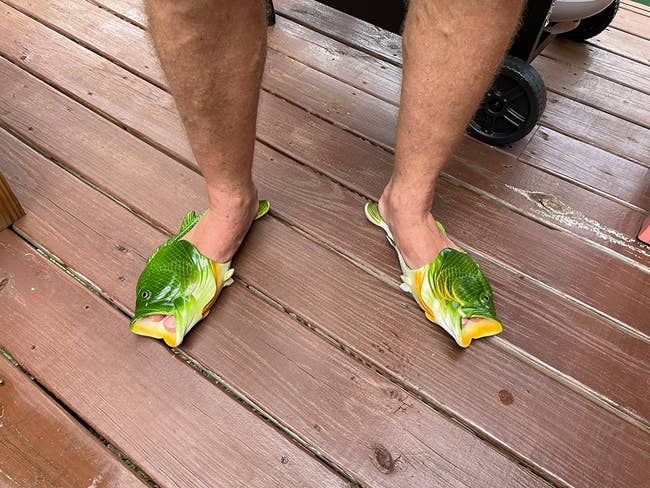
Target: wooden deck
(327, 376)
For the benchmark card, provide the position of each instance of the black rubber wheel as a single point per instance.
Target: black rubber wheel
(512, 106)
(594, 25)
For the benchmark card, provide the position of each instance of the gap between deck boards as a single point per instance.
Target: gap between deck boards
(185, 358)
(250, 403)
(115, 453)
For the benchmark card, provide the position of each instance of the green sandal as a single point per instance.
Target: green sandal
(451, 289)
(179, 285)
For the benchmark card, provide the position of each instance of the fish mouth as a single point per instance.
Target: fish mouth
(157, 326)
(476, 327)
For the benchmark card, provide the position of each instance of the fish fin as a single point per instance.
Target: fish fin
(373, 215)
(442, 229)
(227, 278)
(262, 209)
(190, 220)
(405, 287)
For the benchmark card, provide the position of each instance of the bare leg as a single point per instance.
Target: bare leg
(451, 51)
(212, 52)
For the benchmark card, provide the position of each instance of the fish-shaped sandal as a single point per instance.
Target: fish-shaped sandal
(451, 289)
(179, 285)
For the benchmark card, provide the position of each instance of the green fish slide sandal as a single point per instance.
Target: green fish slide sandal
(179, 285)
(451, 290)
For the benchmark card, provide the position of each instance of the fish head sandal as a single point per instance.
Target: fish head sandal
(451, 290)
(179, 285)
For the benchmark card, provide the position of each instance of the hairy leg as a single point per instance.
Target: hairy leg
(451, 52)
(212, 52)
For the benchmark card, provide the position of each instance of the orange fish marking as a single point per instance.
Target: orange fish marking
(418, 279)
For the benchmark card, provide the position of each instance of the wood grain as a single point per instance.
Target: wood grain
(152, 114)
(589, 166)
(632, 23)
(619, 42)
(365, 176)
(584, 56)
(167, 418)
(514, 432)
(598, 128)
(349, 413)
(387, 46)
(43, 446)
(327, 195)
(583, 86)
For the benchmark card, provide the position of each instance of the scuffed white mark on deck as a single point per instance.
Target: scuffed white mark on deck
(96, 480)
(9, 478)
(551, 207)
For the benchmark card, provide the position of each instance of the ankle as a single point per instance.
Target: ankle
(233, 198)
(403, 206)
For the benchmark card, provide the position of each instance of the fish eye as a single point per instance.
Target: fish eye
(485, 298)
(144, 294)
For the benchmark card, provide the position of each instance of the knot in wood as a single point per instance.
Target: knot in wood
(384, 459)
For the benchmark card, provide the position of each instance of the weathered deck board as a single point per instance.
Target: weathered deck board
(583, 86)
(632, 6)
(628, 45)
(172, 422)
(294, 205)
(334, 157)
(599, 361)
(351, 414)
(598, 128)
(616, 68)
(477, 181)
(514, 431)
(569, 114)
(275, 119)
(42, 446)
(632, 23)
(590, 166)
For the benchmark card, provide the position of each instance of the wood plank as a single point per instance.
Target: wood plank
(442, 389)
(334, 156)
(214, 440)
(120, 102)
(598, 61)
(625, 44)
(634, 4)
(290, 204)
(343, 408)
(43, 446)
(387, 46)
(632, 23)
(104, 223)
(294, 201)
(598, 128)
(80, 21)
(270, 130)
(589, 166)
(609, 96)
(152, 113)
(132, 10)
(637, 8)
(624, 102)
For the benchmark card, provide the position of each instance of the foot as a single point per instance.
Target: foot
(222, 229)
(416, 234)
